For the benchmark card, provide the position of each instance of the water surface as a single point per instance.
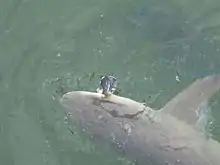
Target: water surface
(51, 47)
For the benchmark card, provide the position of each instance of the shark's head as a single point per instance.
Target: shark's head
(97, 114)
(81, 106)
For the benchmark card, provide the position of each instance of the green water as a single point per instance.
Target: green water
(51, 47)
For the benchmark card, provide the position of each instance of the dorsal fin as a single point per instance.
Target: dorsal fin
(186, 104)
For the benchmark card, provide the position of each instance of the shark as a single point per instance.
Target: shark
(147, 136)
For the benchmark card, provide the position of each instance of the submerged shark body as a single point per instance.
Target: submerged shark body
(164, 137)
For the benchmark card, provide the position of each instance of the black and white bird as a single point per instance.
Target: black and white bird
(107, 85)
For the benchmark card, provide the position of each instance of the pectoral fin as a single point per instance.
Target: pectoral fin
(186, 104)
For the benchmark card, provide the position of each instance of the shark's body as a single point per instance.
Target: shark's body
(145, 136)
